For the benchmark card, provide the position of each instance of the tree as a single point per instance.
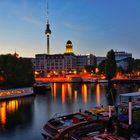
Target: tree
(88, 68)
(17, 72)
(130, 65)
(136, 65)
(94, 64)
(101, 67)
(110, 65)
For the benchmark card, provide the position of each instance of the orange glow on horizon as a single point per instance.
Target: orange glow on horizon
(120, 76)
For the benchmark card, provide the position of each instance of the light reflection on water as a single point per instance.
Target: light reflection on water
(98, 95)
(25, 117)
(7, 108)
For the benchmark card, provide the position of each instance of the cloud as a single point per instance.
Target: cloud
(31, 19)
(77, 27)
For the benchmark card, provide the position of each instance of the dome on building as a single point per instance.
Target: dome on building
(69, 47)
(69, 42)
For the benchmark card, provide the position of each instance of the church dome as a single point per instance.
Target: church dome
(69, 42)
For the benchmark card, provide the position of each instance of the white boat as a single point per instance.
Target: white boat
(102, 81)
(129, 112)
(88, 80)
(41, 86)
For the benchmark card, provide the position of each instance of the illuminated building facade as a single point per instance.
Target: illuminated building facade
(55, 63)
(84, 60)
(62, 63)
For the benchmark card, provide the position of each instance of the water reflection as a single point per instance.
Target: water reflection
(3, 114)
(88, 94)
(75, 96)
(6, 108)
(25, 117)
(54, 90)
(12, 112)
(84, 93)
(63, 93)
(98, 94)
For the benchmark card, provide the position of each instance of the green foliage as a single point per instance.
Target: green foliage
(111, 94)
(136, 65)
(89, 68)
(110, 65)
(95, 65)
(101, 67)
(130, 65)
(92, 68)
(18, 72)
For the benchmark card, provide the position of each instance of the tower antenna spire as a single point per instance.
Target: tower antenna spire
(47, 11)
(48, 31)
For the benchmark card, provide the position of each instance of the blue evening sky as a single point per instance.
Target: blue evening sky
(94, 26)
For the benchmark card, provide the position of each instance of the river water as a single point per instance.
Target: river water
(23, 118)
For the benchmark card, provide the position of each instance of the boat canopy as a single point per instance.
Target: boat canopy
(133, 94)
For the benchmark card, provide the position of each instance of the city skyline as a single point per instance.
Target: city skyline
(93, 26)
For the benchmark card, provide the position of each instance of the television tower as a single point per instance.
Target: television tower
(48, 31)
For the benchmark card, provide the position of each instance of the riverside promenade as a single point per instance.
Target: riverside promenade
(15, 93)
(86, 79)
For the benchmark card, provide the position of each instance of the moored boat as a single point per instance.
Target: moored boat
(58, 127)
(90, 124)
(95, 133)
(128, 113)
(88, 80)
(64, 126)
(39, 87)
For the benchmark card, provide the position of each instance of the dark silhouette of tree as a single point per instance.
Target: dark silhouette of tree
(101, 67)
(120, 69)
(111, 94)
(110, 65)
(130, 65)
(94, 65)
(16, 71)
(88, 68)
(136, 65)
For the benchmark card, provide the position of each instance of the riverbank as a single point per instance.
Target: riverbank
(80, 80)
(15, 93)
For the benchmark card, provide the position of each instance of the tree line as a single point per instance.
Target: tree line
(16, 71)
(109, 66)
